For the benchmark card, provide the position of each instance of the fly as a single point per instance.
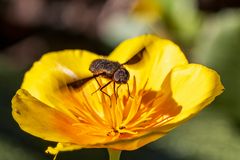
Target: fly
(112, 70)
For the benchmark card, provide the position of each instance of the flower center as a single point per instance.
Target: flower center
(117, 117)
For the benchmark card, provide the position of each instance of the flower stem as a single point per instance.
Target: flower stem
(114, 154)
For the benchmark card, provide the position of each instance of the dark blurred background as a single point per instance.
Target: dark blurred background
(208, 31)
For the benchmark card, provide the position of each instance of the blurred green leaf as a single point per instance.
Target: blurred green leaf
(11, 149)
(183, 19)
(218, 46)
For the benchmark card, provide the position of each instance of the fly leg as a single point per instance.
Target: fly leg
(114, 89)
(101, 89)
(129, 94)
(99, 86)
(117, 90)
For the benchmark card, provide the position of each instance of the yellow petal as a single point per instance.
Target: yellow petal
(128, 48)
(135, 143)
(159, 57)
(55, 69)
(40, 120)
(62, 147)
(193, 87)
(50, 124)
(129, 145)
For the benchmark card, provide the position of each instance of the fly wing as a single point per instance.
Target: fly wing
(79, 83)
(136, 58)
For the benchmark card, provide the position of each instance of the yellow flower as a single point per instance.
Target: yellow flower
(165, 91)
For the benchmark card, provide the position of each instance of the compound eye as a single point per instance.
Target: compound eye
(121, 76)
